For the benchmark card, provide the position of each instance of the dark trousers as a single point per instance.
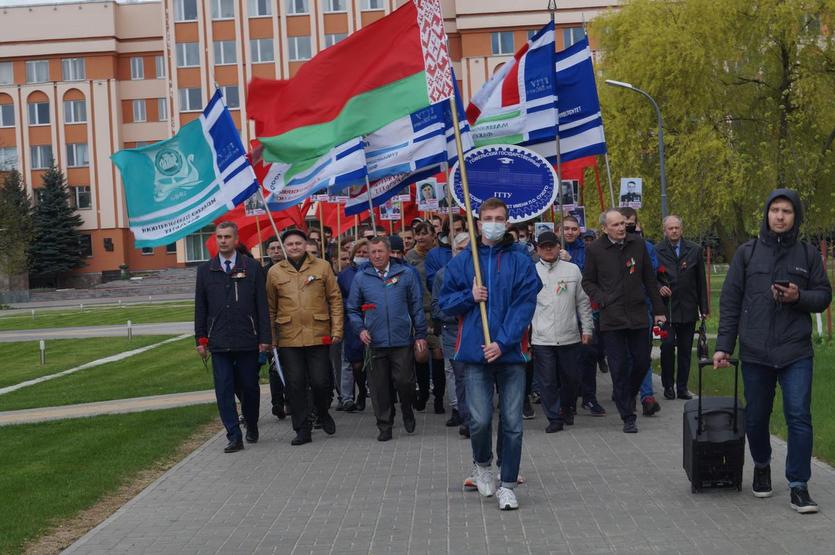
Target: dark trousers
(236, 371)
(458, 369)
(628, 352)
(391, 368)
(276, 386)
(558, 371)
(306, 368)
(588, 358)
(677, 347)
(435, 367)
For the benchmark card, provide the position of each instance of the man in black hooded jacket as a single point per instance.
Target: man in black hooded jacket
(773, 285)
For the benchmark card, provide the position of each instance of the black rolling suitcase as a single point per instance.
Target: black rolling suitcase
(714, 438)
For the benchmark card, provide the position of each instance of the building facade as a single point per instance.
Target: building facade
(80, 81)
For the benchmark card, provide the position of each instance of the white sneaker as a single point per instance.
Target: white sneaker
(469, 481)
(507, 499)
(484, 480)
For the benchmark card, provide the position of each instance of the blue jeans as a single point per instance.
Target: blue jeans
(481, 381)
(346, 379)
(236, 371)
(796, 384)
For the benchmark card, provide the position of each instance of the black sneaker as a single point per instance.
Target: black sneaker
(594, 407)
(454, 419)
(536, 398)
(762, 482)
(464, 431)
(527, 408)
(801, 502)
(554, 427)
(567, 417)
(629, 426)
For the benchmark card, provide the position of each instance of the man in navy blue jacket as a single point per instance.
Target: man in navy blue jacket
(384, 306)
(232, 323)
(511, 285)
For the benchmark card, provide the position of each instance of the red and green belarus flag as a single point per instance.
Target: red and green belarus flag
(387, 70)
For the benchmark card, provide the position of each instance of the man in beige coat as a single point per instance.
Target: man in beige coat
(307, 317)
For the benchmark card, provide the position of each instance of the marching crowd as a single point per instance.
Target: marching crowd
(403, 320)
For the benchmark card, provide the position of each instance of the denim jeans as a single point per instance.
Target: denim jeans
(481, 380)
(460, 390)
(346, 389)
(796, 384)
(451, 394)
(236, 371)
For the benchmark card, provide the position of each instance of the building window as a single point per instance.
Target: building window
(572, 35)
(297, 7)
(330, 40)
(73, 69)
(171, 248)
(223, 9)
(147, 251)
(188, 54)
(185, 10)
(8, 158)
(139, 113)
(6, 73)
(137, 68)
(225, 52)
(502, 42)
(232, 97)
(298, 48)
(6, 115)
(81, 198)
(41, 157)
(333, 6)
(191, 100)
(162, 109)
(39, 113)
(37, 71)
(85, 245)
(258, 8)
(159, 67)
(75, 111)
(196, 250)
(262, 50)
(77, 156)
(372, 5)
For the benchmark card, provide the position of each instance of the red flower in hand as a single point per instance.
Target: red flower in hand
(203, 341)
(368, 306)
(326, 340)
(662, 269)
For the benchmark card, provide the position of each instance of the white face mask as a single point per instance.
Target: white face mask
(359, 260)
(493, 231)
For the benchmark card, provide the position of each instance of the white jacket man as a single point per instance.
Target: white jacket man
(556, 336)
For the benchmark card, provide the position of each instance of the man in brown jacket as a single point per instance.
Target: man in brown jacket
(618, 275)
(307, 317)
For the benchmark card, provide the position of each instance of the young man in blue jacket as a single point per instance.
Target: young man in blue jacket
(384, 306)
(510, 286)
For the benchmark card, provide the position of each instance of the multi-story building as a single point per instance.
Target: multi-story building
(80, 81)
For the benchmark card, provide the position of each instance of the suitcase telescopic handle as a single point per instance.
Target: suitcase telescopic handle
(708, 362)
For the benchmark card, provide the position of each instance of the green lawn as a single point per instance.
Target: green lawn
(180, 311)
(22, 359)
(171, 368)
(720, 383)
(58, 469)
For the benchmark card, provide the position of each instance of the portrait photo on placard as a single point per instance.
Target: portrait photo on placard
(631, 192)
(427, 194)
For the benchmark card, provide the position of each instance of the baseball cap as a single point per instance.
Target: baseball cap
(547, 238)
(589, 235)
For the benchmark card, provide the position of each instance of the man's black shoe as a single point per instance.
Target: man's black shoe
(554, 427)
(604, 367)
(684, 394)
(464, 431)
(567, 417)
(360, 403)
(802, 502)
(328, 425)
(527, 408)
(301, 438)
(340, 406)
(629, 426)
(234, 447)
(384, 435)
(762, 481)
(408, 419)
(278, 411)
(349, 406)
(420, 403)
(669, 393)
(454, 419)
(252, 434)
(439, 405)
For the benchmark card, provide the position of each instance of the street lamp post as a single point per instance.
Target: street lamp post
(664, 211)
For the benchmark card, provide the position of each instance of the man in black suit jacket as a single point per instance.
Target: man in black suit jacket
(685, 294)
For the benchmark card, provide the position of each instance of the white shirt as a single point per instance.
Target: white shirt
(384, 270)
(232, 259)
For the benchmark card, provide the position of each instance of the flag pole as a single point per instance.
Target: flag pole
(322, 238)
(462, 167)
(338, 232)
(275, 228)
(552, 7)
(449, 206)
(370, 205)
(609, 177)
(260, 241)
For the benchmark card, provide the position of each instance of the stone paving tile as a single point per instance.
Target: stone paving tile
(590, 489)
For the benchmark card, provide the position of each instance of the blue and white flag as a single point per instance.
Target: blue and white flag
(384, 189)
(519, 104)
(342, 167)
(177, 186)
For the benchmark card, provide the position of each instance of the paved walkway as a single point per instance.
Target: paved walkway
(121, 330)
(85, 297)
(591, 489)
